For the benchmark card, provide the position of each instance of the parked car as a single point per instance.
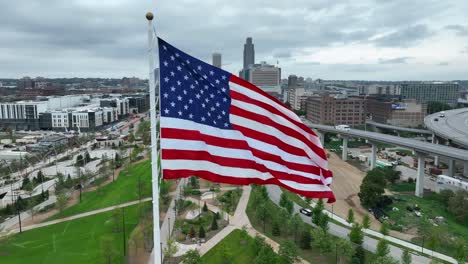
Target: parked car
(306, 211)
(401, 153)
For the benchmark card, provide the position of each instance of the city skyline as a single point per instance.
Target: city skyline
(369, 40)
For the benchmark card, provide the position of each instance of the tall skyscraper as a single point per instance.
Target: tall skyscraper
(217, 60)
(249, 53)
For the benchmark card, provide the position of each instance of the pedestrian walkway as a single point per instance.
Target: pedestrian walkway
(238, 221)
(66, 219)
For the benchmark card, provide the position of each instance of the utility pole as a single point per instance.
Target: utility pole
(123, 228)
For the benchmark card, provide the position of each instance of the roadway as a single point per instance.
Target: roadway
(418, 146)
(370, 243)
(397, 128)
(453, 127)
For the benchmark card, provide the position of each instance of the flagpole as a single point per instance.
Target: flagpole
(154, 143)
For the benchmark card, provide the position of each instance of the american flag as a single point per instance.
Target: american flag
(221, 128)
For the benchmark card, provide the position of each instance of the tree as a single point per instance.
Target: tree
(359, 256)
(283, 199)
(458, 206)
(372, 188)
(382, 248)
(79, 160)
(322, 240)
(171, 248)
(436, 106)
(317, 212)
(366, 222)
(214, 224)
(295, 224)
(384, 260)
(350, 216)
(384, 229)
(263, 214)
(444, 196)
(108, 249)
(205, 208)
(87, 157)
(192, 232)
(323, 221)
(356, 235)
(117, 219)
(288, 252)
(344, 249)
(192, 257)
(266, 255)
(276, 231)
(61, 203)
(306, 239)
(201, 232)
(406, 257)
(460, 251)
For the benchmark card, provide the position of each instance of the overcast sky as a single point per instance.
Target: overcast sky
(339, 39)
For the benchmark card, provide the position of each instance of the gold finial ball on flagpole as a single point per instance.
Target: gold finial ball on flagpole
(149, 16)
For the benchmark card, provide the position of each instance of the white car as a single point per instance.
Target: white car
(306, 211)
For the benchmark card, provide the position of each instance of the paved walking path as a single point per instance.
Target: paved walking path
(238, 221)
(73, 217)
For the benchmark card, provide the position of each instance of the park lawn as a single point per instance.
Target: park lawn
(124, 189)
(240, 253)
(77, 241)
(403, 187)
(430, 208)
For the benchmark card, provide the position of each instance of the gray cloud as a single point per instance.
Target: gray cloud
(108, 37)
(401, 60)
(405, 37)
(459, 29)
(444, 63)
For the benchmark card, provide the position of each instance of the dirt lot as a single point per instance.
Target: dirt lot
(346, 182)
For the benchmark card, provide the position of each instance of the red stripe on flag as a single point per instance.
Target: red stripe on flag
(286, 130)
(169, 154)
(241, 97)
(207, 175)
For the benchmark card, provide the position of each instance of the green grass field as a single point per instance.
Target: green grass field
(78, 241)
(241, 253)
(430, 208)
(124, 189)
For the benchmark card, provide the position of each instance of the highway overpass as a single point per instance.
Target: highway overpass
(453, 126)
(422, 149)
(397, 128)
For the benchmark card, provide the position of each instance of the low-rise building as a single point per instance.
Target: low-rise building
(336, 110)
(405, 113)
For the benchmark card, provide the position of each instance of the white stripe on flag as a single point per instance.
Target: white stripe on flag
(275, 118)
(201, 165)
(306, 187)
(273, 131)
(180, 144)
(260, 97)
(177, 123)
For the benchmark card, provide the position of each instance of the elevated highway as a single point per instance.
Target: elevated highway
(397, 128)
(422, 149)
(453, 126)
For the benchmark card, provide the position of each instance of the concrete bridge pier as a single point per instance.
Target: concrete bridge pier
(451, 167)
(321, 136)
(344, 154)
(420, 175)
(465, 169)
(436, 158)
(373, 156)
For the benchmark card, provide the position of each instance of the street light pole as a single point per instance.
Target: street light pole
(123, 227)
